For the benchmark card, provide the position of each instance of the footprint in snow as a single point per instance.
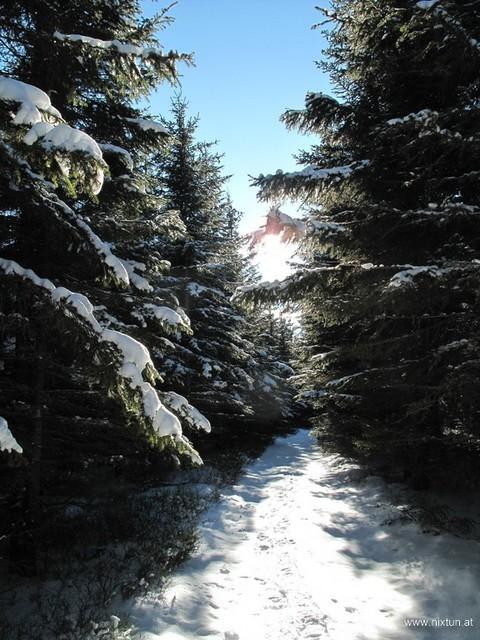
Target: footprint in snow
(230, 635)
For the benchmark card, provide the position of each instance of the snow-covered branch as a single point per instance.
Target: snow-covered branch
(7, 441)
(146, 124)
(134, 358)
(35, 105)
(307, 182)
(122, 48)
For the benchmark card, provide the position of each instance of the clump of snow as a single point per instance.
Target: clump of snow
(113, 148)
(296, 226)
(280, 225)
(424, 116)
(139, 282)
(10, 267)
(427, 4)
(33, 101)
(121, 47)
(206, 368)
(455, 344)
(134, 352)
(73, 511)
(192, 416)
(168, 316)
(62, 136)
(195, 289)
(330, 173)
(312, 394)
(81, 303)
(319, 95)
(7, 441)
(116, 264)
(119, 267)
(148, 125)
(69, 139)
(407, 276)
(324, 228)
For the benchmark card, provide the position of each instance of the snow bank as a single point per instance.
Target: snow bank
(33, 101)
(7, 441)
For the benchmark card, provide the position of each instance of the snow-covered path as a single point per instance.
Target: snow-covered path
(298, 550)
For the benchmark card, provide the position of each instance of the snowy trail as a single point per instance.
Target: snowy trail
(298, 550)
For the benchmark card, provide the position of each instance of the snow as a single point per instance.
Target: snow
(319, 95)
(424, 116)
(121, 47)
(7, 441)
(300, 549)
(195, 289)
(135, 357)
(71, 140)
(33, 101)
(166, 315)
(286, 220)
(148, 125)
(427, 4)
(62, 136)
(120, 268)
(113, 148)
(116, 264)
(192, 416)
(324, 228)
(10, 267)
(139, 282)
(82, 304)
(330, 173)
(407, 276)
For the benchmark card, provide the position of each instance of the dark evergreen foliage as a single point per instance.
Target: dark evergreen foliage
(390, 286)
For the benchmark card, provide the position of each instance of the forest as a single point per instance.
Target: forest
(145, 366)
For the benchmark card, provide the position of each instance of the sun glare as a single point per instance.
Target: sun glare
(272, 257)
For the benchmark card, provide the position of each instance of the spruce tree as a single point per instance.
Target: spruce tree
(221, 367)
(209, 366)
(82, 231)
(391, 238)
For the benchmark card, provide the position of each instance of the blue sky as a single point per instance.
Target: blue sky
(254, 59)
